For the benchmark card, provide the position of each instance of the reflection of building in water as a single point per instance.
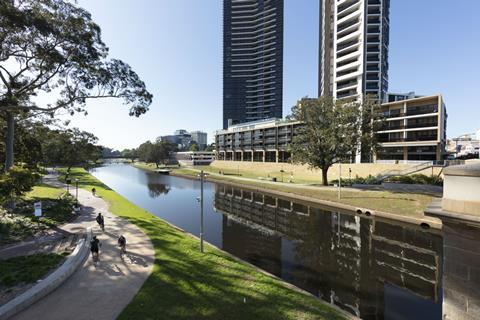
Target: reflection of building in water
(356, 263)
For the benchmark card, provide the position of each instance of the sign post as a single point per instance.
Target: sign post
(38, 209)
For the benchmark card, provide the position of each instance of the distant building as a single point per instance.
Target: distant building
(200, 138)
(195, 158)
(415, 130)
(465, 146)
(184, 139)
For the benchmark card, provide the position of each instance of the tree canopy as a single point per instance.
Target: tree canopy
(158, 152)
(53, 49)
(333, 131)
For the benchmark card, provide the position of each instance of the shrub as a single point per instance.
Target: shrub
(16, 182)
(417, 179)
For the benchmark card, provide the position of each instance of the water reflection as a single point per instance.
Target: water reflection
(155, 190)
(371, 268)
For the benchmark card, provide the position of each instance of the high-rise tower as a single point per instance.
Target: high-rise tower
(252, 60)
(354, 38)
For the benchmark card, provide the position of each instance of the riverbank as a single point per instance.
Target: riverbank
(394, 205)
(187, 284)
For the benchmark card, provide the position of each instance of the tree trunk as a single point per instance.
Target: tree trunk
(9, 140)
(324, 176)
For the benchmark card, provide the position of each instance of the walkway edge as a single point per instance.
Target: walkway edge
(47, 285)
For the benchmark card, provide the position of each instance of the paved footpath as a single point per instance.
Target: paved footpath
(103, 290)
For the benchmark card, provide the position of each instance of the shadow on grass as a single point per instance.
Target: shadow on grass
(186, 284)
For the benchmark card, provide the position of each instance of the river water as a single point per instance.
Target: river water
(370, 267)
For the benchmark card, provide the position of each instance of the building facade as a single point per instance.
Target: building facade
(260, 141)
(414, 130)
(252, 60)
(354, 40)
(200, 138)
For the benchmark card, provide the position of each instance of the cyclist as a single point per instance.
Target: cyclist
(122, 243)
(94, 248)
(100, 221)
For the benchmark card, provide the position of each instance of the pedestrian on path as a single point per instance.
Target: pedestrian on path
(100, 221)
(94, 192)
(122, 243)
(94, 248)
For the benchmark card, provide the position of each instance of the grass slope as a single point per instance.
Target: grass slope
(186, 284)
(27, 269)
(400, 203)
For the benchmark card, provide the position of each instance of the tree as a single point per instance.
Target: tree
(145, 152)
(131, 154)
(332, 131)
(71, 147)
(161, 152)
(16, 182)
(194, 147)
(53, 48)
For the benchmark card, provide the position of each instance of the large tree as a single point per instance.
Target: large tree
(333, 131)
(53, 49)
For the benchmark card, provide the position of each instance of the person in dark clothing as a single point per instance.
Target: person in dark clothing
(95, 247)
(122, 243)
(94, 191)
(100, 221)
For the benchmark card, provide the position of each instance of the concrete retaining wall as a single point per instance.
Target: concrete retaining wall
(302, 172)
(50, 283)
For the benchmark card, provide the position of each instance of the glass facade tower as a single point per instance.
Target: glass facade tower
(252, 60)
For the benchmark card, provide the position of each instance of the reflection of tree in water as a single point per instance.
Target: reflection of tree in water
(157, 189)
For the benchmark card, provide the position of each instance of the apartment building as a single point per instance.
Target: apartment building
(354, 41)
(414, 129)
(252, 60)
(258, 141)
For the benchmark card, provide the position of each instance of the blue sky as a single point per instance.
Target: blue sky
(176, 48)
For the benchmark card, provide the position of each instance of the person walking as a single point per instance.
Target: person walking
(94, 192)
(100, 220)
(94, 248)
(122, 243)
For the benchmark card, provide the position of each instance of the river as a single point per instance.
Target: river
(370, 267)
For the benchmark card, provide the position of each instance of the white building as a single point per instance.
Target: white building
(354, 39)
(200, 138)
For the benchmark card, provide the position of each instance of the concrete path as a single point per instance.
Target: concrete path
(103, 290)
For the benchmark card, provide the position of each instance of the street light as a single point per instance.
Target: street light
(201, 211)
(76, 191)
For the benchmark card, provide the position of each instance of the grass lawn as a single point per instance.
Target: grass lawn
(186, 284)
(407, 204)
(27, 269)
(21, 224)
(44, 191)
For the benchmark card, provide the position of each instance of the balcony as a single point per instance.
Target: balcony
(422, 138)
(422, 110)
(422, 125)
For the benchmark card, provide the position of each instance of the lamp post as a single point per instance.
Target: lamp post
(76, 191)
(339, 180)
(201, 211)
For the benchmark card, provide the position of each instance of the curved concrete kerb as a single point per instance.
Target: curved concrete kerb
(50, 283)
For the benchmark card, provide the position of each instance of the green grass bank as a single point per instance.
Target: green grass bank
(186, 284)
